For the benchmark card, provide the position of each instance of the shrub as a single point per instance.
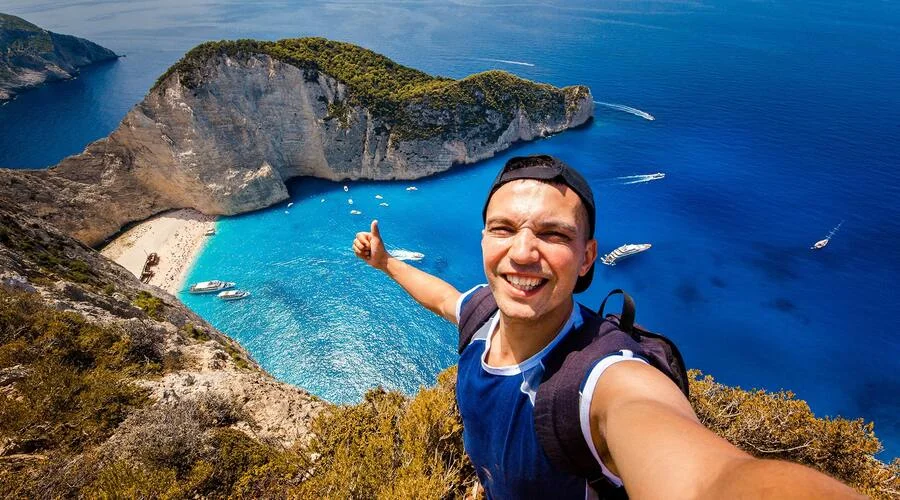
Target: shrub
(778, 426)
(388, 447)
(150, 304)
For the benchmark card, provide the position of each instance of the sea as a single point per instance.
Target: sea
(772, 122)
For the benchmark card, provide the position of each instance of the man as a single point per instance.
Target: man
(538, 249)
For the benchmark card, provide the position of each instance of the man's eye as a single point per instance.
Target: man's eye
(501, 230)
(556, 236)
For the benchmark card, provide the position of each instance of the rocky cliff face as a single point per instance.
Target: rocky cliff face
(61, 274)
(30, 56)
(227, 143)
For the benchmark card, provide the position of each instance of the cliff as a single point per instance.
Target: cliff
(30, 56)
(92, 360)
(225, 127)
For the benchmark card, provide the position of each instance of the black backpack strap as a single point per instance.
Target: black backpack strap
(475, 312)
(626, 320)
(557, 403)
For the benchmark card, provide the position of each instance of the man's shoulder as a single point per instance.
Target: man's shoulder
(464, 298)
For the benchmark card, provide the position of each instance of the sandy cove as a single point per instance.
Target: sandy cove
(177, 237)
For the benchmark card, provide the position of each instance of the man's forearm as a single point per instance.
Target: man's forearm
(433, 293)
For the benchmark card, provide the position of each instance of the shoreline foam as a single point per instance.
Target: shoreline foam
(177, 237)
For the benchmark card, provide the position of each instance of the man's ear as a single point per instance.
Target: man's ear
(590, 255)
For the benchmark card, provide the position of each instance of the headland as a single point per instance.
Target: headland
(225, 128)
(31, 56)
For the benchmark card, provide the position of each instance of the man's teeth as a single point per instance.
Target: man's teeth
(524, 283)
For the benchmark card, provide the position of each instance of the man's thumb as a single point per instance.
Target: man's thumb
(375, 232)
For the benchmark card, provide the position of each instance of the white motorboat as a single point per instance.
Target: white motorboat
(210, 286)
(233, 294)
(401, 254)
(210, 232)
(355, 212)
(624, 251)
(412, 188)
(383, 204)
(378, 197)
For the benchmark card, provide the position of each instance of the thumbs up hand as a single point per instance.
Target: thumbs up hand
(369, 247)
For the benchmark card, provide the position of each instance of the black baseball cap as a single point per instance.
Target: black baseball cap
(548, 168)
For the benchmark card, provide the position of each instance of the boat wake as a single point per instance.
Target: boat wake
(640, 179)
(506, 61)
(628, 109)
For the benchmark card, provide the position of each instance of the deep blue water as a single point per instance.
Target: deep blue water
(775, 121)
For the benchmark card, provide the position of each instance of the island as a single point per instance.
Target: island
(224, 128)
(31, 56)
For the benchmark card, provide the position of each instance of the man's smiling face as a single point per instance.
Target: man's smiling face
(535, 247)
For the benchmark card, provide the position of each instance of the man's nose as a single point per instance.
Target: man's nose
(524, 247)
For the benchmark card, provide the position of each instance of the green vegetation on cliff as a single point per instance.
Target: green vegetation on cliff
(413, 103)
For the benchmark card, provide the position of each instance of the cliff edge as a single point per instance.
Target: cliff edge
(225, 127)
(30, 56)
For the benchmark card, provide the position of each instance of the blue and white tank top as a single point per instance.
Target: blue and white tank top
(497, 407)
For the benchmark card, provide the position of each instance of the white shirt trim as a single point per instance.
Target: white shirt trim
(534, 360)
(459, 301)
(587, 395)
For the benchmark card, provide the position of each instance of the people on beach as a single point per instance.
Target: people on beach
(538, 249)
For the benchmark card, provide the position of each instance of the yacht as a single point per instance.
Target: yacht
(624, 251)
(210, 286)
(233, 294)
(401, 254)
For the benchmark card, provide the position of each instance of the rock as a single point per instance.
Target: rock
(31, 56)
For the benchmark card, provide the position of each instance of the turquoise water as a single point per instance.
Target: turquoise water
(774, 122)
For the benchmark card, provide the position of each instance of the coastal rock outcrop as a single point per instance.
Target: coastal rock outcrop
(30, 56)
(223, 129)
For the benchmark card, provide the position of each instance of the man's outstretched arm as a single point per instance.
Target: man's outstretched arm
(433, 293)
(650, 436)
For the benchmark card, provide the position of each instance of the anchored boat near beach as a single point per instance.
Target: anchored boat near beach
(210, 286)
(624, 251)
(233, 294)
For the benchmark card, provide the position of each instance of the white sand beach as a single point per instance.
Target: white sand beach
(177, 238)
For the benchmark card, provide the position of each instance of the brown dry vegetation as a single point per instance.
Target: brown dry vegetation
(73, 423)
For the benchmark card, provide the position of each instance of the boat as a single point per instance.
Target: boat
(349, 201)
(210, 286)
(823, 242)
(355, 212)
(291, 204)
(624, 251)
(378, 197)
(383, 204)
(401, 254)
(210, 232)
(412, 188)
(346, 189)
(233, 294)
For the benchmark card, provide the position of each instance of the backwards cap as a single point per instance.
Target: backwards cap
(548, 168)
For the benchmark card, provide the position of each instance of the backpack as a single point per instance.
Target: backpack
(556, 405)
